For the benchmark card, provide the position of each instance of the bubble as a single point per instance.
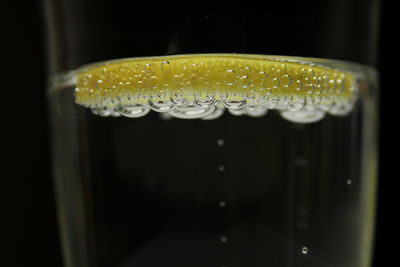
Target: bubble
(221, 168)
(103, 111)
(283, 102)
(341, 109)
(178, 99)
(286, 81)
(223, 95)
(223, 239)
(296, 104)
(276, 82)
(304, 250)
(265, 92)
(191, 112)
(308, 85)
(348, 182)
(161, 105)
(222, 204)
(244, 81)
(299, 85)
(262, 75)
(205, 101)
(232, 104)
(230, 77)
(148, 68)
(99, 82)
(115, 113)
(133, 110)
(256, 111)
(165, 65)
(250, 97)
(272, 102)
(325, 103)
(220, 142)
(332, 86)
(303, 116)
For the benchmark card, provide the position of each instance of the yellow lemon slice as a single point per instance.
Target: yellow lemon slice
(244, 84)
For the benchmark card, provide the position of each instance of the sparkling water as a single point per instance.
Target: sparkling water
(212, 182)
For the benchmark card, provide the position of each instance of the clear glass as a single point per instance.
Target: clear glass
(239, 189)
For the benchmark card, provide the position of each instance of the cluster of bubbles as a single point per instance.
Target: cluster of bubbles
(300, 109)
(303, 95)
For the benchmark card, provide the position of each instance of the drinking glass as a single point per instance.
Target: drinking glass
(214, 134)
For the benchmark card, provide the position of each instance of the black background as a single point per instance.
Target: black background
(29, 228)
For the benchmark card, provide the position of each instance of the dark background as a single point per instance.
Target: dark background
(29, 228)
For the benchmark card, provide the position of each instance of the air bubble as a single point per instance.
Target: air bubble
(223, 95)
(178, 99)
(191, 112)
(133, 110)
(98, 83)
(332, 86)
(235, 104)
(325, 103)
(222, 204)
(250, 97)
(230, 77)
(276, 82)
(348, 182)
(220, 142)
(283, 102)
(148, 68)
(286, 81)
(204, 102)
(297, 104)
(165, 65)
(272, 102)
(303, 116)
(103, 111)
(221, 168)
(256, 111)
(267, 91)
(299, 85)
(161, 105)
(341, 109)
(223, 239)
(304, 250)
(244, 81)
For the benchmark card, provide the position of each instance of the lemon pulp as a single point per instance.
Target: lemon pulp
(243, 84)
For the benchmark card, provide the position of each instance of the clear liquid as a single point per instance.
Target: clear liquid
(236, 191)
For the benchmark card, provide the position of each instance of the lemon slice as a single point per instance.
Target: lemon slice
(203, 85)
